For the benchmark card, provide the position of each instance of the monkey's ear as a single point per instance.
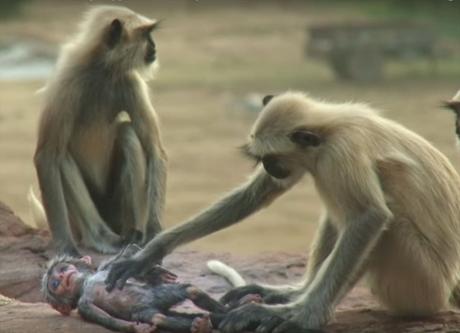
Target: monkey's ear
(305, 138)
(114, 34)
(267, 99)
(453, 105)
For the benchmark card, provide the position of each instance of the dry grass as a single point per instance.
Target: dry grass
(212, 57)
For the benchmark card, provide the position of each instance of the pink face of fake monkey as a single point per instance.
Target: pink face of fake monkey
(64, 282)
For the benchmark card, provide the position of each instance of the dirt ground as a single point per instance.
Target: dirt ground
(212, 57)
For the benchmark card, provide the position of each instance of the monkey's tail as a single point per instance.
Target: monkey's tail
(229, 273)
(36, 210)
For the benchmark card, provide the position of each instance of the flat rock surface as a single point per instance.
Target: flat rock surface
(24, 253)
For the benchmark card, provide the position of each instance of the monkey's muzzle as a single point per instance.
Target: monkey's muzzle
(272, 165)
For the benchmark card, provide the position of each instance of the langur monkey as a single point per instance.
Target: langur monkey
(100, 160)
(392, 214)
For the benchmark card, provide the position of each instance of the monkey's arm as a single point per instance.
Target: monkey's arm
(323, 244)
(146, 126)
(259, 191)
(90, 312)
(325, 240)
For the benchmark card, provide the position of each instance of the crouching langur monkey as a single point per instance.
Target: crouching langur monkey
(392, 204)
(100, 161)
(143, 306)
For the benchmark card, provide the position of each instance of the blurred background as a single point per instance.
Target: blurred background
(218, 58)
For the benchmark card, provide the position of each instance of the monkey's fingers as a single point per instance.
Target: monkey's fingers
(235, 295)
(121, 272)
(161, 269)
(248, 318)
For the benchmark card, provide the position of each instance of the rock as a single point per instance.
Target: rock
(24, 253)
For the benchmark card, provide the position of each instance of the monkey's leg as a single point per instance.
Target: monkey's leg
(95, 233)
(129, 184)
(407, 276)
(175, 323)
(50, 179)
(204, 301)
(215, 318)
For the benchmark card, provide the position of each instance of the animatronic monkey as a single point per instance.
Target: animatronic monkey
(392, 204)
(99, 157)
(142, 306)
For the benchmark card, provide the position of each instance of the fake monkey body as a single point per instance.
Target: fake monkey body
(140, 306)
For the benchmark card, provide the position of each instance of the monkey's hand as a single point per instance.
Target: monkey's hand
(158, 275)
(234, 297)
(263, 318)
(250, 317)
(122, 270)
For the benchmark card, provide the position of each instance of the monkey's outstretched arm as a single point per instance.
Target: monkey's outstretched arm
(259, 191)
(90, 312)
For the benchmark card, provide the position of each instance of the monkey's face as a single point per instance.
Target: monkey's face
(131, 44)
(63, 279)
(279, 140)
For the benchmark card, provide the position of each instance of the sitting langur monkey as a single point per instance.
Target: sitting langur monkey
(393, 212)
(99, 158)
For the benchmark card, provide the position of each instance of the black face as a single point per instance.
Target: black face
(150, 51)
(272, 164)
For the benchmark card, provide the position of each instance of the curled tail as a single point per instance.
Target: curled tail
(36, 210)
(229, 273)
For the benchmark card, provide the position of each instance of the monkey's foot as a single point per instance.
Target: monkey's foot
(250, 317)
(144, 328)
(251, 298)
(261, 318)
(68, 249)
(201, 325)
(234, 296)
(132, 237)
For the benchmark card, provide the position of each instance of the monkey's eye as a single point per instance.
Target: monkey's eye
(62, 269)
(55, 284)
